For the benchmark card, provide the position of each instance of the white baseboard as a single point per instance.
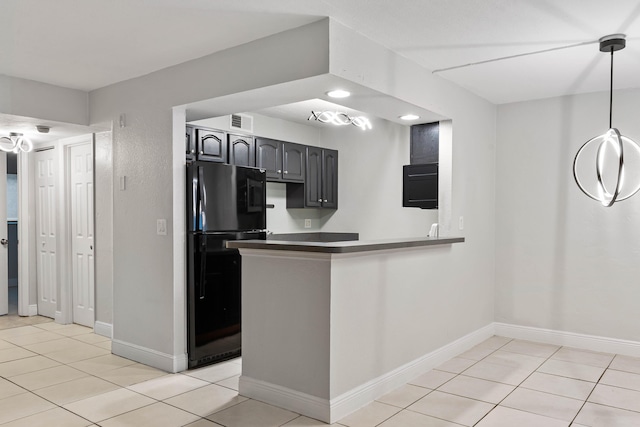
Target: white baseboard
(569, 339)
(343, 405)
(104, 329)
(157, 359)
(33, 309)
(302, 403)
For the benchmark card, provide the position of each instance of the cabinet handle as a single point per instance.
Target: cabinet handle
(202, 152)
(193, 151)
(286, 172)
(280, 171)
(325, 200)
(320, 200)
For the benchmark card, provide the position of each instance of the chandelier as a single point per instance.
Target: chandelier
(15, 142)
(340, 119)
(607, 152)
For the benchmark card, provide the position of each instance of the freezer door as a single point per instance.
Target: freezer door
(225, 197)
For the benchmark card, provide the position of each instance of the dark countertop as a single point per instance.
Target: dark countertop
(342, 247)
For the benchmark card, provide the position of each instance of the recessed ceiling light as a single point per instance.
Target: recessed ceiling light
(409, 117)
(338, 93)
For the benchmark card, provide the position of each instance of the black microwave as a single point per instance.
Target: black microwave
(420, 186)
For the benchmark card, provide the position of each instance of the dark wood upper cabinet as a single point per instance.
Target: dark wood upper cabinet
(330, 179)
(420, 186)
(293, 162)
(269, 157)
(313, 184)
(424, 143)
(190, 144)
(211, 145)
(242, 150)
(320, 189)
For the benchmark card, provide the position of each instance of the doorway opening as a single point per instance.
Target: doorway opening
(12, 232)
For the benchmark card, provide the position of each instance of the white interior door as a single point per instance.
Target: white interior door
(4, 246)
(46, 232)
(81, 190)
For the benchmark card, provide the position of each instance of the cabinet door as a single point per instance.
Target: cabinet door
(190, 144)
(293, 162)
(330, 179)
(242, 150)
(269, 157)
(313, 183)
(212, 145)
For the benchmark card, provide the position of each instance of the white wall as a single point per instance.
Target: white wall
(563, 261)
(471, 267)
(28, 98)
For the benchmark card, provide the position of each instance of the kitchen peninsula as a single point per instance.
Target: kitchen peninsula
(329, 327)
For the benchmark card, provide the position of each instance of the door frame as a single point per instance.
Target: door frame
(26, 250)
(26, 260)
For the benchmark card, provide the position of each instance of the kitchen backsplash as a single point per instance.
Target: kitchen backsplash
(283, 220)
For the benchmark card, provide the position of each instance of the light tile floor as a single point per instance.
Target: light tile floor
(64, 375)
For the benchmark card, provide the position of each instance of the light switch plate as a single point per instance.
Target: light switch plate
(307, 223)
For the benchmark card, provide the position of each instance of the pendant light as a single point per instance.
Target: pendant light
(15, 142)
(610, 149)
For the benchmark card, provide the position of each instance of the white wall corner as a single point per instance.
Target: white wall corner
(569, 339)
(33, 310)
(150, 357)
(104, 329)
(284, 397)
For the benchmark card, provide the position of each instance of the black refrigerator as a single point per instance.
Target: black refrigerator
(224, 202)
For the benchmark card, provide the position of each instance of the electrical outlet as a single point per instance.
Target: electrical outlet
(307, 223)
(461, 223)
(161, 227)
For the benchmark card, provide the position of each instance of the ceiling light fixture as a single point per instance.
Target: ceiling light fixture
(340, 119)
(15, 142)
(409, 117)
(338, 93)
(609, 150)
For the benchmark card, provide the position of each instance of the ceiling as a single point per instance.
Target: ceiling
(87, 44)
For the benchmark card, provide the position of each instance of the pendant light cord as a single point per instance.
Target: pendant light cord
(611, 93)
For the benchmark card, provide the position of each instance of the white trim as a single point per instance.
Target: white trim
(346, 403)
(154, 358)
(33, 310)
(104, 329)
(59, 317)
(283, 397)
(570, 339)
(25, 225)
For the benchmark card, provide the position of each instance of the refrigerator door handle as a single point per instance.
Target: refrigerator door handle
(202, 218)
(203, 267)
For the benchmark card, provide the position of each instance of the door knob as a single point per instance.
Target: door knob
(4, 242)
